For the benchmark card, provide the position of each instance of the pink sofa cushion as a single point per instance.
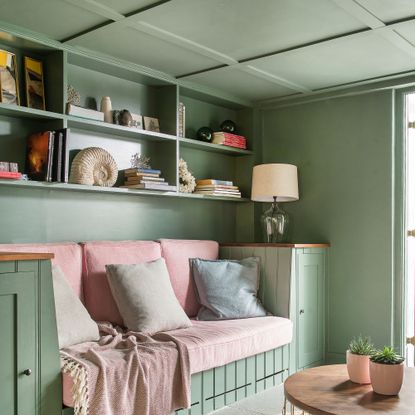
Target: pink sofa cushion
(68, 255)
(98, 296)
(217, 343)
(177, 254)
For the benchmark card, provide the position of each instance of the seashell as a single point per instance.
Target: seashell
(94, 166)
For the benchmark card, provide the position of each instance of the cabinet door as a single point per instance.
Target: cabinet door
(18, 343)
(311, 321)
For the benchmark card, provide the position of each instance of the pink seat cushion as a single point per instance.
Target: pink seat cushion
(216, 343)
(177, 254)
(68, 255)
(98, 296)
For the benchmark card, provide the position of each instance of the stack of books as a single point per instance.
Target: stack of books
(214, 187)
(47, 156)
(228, 139)
(147, 179)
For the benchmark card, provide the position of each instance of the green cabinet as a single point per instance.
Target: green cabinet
(29, 359)
(309, 312)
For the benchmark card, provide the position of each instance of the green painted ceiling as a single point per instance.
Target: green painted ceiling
(254, 49)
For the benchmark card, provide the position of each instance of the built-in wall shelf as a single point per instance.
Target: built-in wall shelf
(216, 148)
(115, 130)
(110, 190)
(140, 90)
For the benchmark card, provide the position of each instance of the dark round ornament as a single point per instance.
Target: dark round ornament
(205, 134)
(228, 126)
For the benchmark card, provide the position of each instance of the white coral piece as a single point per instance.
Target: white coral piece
(186, 179)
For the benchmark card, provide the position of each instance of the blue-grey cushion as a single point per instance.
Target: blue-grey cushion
(227, 289)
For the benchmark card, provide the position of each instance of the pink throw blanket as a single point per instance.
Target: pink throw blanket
(128, 373)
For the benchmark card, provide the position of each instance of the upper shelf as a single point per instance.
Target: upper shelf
(216, 148)
(118, 130)
(24, 112)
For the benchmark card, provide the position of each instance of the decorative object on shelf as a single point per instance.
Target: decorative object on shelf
(204, 134)
(213, 187)
(13, 167)
(35, 89)
(386, 369)
(39, 156)
(9, 84)
(137, 121)
(73, 96)
(146, 179)
(139, 161)
(228, 126)
(106, 108)
(357, 357)
(151, 124)
(94, 166)
(84, 112)
(275, 183)
(230, 140)
(186, 178)
(4, 166)
(182, 120)
(123, 118)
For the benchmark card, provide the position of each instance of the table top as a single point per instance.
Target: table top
(327, 390)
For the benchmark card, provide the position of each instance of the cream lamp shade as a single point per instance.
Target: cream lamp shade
(274, 181)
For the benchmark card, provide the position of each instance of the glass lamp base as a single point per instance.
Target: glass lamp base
(275, 224)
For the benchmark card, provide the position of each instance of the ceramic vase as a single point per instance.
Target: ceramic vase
(106, 108)
(386, 379)
(358, 368)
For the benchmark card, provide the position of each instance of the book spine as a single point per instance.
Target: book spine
(50, 156)
(10, 175)
(65, 155)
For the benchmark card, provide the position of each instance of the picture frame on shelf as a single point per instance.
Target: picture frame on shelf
(151, 124)
(35, 88)
(137, 121)
(9, 82)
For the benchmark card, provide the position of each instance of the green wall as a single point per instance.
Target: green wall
(28, 215)
(343, 149)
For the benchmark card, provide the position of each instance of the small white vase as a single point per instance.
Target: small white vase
(106, 108)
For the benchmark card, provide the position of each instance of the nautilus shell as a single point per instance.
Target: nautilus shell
(94, 166)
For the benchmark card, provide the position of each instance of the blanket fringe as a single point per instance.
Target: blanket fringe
(79, 375)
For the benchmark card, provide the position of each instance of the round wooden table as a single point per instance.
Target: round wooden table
(327, 390)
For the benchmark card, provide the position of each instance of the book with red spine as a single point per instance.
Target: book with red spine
(13, 175)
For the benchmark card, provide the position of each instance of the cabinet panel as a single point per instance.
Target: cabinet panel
(18, 344)
(311, 322)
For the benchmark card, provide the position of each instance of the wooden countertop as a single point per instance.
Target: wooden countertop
(281, 245)
(24, 256)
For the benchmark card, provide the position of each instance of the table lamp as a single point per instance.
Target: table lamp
(274, 183)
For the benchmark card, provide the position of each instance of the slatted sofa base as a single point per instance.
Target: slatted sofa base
(224, 385)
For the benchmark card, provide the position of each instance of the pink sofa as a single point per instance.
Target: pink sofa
(211, 344)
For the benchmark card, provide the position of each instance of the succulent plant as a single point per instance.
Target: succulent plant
(387, 356)
(362, 346)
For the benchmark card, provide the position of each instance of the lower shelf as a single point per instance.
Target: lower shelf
(111, 190)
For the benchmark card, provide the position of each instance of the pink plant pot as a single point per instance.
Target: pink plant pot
(358, 368)
(386, 379)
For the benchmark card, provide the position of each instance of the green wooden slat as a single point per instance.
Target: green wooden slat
(208, 391)
(196, 394)
(250, 375)
(230, 381)
(241, 379)
(260, 372)
(219, 387)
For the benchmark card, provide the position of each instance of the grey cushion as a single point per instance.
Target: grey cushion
(145, 297)
(227, 289)
(74, 323)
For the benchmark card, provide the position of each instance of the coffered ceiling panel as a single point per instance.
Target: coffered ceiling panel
(129, 44)
(56, 19)
(389, 10)
(340, 61)
(126, 6)
(247, 28)
(407, 30)
(244, 85)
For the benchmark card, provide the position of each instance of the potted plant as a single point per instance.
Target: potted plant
(386, 371)
(357, 357)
